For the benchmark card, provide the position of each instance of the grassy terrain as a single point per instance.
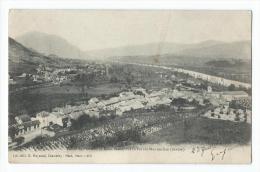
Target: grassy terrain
(72, 89)
(205, 131)
(45, 98)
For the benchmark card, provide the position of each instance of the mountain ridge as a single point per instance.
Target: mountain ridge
(50, 44)
(239, 50)
(22, 59)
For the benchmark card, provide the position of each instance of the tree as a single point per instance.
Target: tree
(179, 102)
(249, 91)
(231, 87)
(84, 80)
(113, 79)
(237, 118)
(129, 79)
(19, 140)
(206, 101)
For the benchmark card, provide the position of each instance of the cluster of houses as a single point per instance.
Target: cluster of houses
(242, 103)
(225, 110)
(228, 95)
(227, 113)
(54, 75)
(59, 75)
(133, 99)
(225, 97)
(28, 128)
(137, 98)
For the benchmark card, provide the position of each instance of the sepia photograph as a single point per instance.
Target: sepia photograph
(129, 86)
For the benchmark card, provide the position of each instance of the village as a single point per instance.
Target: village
(182, 98)
(150, 95)
(128, 86)
(49, 75)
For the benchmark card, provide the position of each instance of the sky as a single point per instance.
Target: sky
(100, 29)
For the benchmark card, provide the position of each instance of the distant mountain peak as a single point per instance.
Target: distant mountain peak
(50, 44)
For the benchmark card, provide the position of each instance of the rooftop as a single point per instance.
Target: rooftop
(26, 124)
(23, 118)
(235, 93)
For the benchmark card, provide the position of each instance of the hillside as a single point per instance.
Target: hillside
(235, 50)
(50, 44)
(22, 59)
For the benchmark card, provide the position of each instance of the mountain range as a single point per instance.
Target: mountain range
(209, 50)
(52, 44)
(36, 48)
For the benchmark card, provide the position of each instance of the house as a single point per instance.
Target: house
(44, 119)
(22, 119)
(26, 128)
(173, 77)
(11, 80)
(228, 95)
(23, 75)
(140, 91)
(10, 140)
(93, 100)
(126, 95)
(188, 107)
(231, 95)
(75, 115)
(92, 112)
(112, 101)
(58, 118)
(209, 89)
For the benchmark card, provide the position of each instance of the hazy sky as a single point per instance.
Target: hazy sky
(99, 29)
